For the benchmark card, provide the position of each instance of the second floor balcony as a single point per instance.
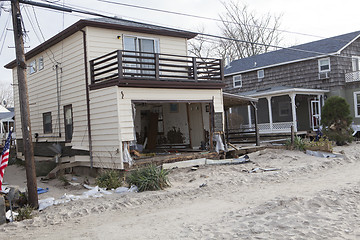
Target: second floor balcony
(144, 69)
(352, 77)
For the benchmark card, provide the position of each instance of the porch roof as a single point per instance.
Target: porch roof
(231, 100)
(282, 90)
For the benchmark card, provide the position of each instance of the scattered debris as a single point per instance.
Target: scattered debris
(203, 185)
(321, 154)
(193, 179)
(42, 190)
(254, 170)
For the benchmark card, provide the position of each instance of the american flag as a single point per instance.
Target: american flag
(4, 158)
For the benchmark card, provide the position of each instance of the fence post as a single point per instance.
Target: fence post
(194, 69)
(120, 66)
(157, 66)
(92, 78)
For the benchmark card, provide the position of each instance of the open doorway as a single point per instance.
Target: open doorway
(168, 125)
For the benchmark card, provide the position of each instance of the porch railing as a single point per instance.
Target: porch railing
(278, 127)
(352, 76)
(132, 65)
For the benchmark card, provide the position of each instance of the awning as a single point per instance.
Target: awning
(233, 100)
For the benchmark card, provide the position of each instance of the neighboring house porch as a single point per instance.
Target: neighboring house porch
(297, 107)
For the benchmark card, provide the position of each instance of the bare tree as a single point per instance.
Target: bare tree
(6, 95)
(255, 33)
(202, 47)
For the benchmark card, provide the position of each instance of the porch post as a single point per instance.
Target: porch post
(293, 110)
(321, 98)
(249, 116)
(270, 113)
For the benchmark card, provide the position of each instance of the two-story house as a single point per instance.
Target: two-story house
(102, 86)
(293, 83)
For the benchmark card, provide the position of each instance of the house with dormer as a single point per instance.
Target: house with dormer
(293, 83)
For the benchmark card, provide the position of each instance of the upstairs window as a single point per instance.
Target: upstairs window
(32, 67)
(41, 63)
(355, 63)
(237, 81)
(260, 74)
(47, 122)
(324, 65)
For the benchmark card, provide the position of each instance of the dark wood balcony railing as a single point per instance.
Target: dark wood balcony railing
(119, 66)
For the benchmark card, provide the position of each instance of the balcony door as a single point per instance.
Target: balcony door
(144, 58)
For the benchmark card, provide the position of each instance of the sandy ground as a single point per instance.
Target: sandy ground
(308, 198)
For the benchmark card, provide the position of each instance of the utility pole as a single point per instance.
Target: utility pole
(24, 105)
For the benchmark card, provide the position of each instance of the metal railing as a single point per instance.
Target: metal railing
(120, 65)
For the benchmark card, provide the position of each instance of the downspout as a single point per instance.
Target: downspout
(87, 99)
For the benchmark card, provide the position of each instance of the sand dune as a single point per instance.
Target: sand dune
(308, 198)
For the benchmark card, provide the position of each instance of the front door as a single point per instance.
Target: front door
(315, 114)
(196, 126)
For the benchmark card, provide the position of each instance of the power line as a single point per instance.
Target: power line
(206, 18)
(69, 9)
(4, 32)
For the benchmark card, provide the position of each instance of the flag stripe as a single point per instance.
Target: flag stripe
(4, 158)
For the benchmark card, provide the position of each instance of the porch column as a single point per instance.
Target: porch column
(270, 113)
(249, 116)
(293, 110)
(321, 99)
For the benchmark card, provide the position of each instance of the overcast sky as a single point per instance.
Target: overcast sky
(324, 18)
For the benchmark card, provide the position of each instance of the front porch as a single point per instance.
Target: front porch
(279, 109)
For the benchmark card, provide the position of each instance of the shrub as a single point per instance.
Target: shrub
(24, 212)
(299, 144)
(150, 178)
(323, 144)
(336, 120)
(109, 179)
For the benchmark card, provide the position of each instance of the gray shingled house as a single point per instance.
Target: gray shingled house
(292, 84)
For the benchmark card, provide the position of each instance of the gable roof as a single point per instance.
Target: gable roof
(324, 47)
(115, 24)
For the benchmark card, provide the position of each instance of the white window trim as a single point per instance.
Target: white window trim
(352, 65)
(357, 114)
(32, 65)
(263, 74)
(156, 41)
(319, 67)
(237, 86)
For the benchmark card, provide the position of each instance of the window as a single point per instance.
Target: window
(260, 74)
(357, 104)
(324, 65)
(47, 122)
(41, 63)
(237, 81)
(68, 120)
(355, 63)
(32, 67)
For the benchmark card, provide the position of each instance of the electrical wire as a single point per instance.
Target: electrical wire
(79, 10)
(4, 32)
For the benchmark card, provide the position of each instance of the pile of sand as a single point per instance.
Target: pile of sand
(307, 198)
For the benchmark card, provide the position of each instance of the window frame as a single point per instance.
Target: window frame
(47, 127)
(32, 67)
(156, 42)
(234, 81)
(319, 65)
(67, 139)
(41, 66)
(357, 59)
(259, 75)
(356, 105)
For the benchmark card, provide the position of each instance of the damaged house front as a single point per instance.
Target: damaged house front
(102, 87)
